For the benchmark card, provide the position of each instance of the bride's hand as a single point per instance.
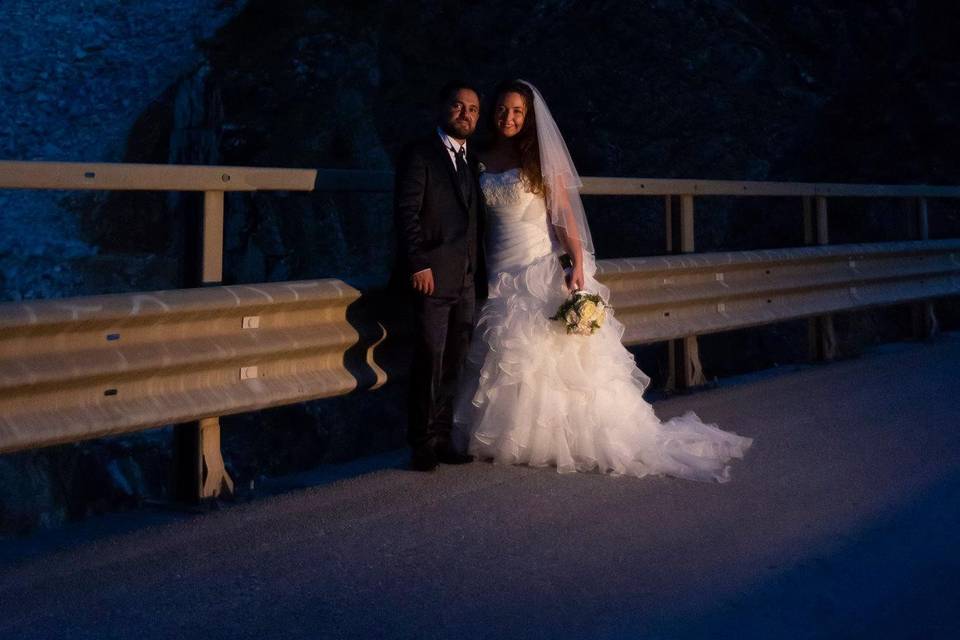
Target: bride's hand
(575, 278)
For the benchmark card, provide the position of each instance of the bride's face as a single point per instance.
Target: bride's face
(509, 114)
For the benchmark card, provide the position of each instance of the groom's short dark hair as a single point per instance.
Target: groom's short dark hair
(450, 88)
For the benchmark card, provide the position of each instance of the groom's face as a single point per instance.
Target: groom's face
(460, 114)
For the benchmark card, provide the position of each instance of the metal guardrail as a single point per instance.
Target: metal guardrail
(151, 177)
(382, 182)
(670, 297)
(667, 187)
(201, 471)
(87, 367)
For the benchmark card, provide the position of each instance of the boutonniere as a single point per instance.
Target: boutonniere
(481, 167)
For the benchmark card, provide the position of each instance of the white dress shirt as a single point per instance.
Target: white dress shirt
(452, 146)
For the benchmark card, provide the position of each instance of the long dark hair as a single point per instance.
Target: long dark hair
(525, 142)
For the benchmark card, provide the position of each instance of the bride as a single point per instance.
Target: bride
(534, 394)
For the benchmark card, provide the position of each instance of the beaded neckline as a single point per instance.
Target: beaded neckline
(502, 188)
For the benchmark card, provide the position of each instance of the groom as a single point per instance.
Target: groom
(437, 209)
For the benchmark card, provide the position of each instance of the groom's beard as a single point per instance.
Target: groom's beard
(459, 129)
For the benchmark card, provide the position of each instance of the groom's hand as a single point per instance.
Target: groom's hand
(423, 282)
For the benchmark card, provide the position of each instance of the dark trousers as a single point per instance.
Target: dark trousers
(443, 325)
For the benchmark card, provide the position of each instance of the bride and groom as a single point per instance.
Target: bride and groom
(509, 384)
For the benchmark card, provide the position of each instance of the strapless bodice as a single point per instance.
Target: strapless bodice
(518, 231)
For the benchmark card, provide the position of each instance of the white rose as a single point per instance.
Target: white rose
(601, 317)
(588, 310)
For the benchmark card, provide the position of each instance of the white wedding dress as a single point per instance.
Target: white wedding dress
(532, 394)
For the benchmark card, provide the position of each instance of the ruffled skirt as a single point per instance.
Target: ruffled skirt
(532, 394)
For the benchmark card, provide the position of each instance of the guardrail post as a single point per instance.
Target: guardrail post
(684, 367)
(924, 319)
(668, 221)
(198, 460)
(808, 227)
(212, 238)
(823, 233)
(821, 337)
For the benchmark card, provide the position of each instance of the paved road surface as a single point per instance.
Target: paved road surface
(841, 522)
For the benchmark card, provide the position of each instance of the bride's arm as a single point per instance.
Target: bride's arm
(569, 236)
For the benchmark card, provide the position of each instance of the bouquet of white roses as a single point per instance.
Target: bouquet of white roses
(582, 313)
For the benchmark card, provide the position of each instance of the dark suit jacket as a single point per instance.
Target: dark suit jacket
(437, 227)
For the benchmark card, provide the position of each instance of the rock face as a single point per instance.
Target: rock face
(746, 89)
(74, 79)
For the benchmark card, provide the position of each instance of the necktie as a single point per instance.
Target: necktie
(463, 174)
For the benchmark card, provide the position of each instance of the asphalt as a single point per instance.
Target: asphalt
(842, 521)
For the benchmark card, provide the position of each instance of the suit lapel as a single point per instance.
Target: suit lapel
(444, 156)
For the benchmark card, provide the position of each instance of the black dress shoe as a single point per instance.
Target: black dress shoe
(423, 458)
(447, 455)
